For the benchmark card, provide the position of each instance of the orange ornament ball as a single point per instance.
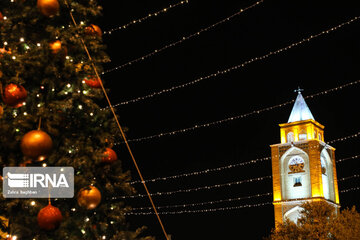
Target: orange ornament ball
(36, 144)
(55, 46)
(93, 30)
(48, 8)
(109, 156)
(14, 95)
(92, 81)
(49, 217)
(4, 51)
(89, 197)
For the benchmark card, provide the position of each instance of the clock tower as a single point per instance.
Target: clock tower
(303, 165)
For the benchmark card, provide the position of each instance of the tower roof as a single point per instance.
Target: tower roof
(300, 110)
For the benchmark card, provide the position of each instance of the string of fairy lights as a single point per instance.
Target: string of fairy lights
(201, 210)
(181, 40)
(205, 203)
(195, 189)
(227, 70)
(222, 168)
(355, 135)
(210, 187)
(241, 116)
(150, 15)
(208, 210)
(205, 171)
(223, 201)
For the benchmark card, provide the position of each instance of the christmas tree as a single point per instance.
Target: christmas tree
(50, 116)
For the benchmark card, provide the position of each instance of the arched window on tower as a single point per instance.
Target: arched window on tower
(327, 175)
(319, 137)
(302, 135)
(295, 174)
(290, 137)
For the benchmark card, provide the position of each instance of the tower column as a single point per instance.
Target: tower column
(315, 169)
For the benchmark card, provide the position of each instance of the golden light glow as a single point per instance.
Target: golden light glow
(296, 134)
(277, 196)
(310, 131)
(282, 134)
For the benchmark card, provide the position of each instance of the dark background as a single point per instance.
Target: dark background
(323, 63)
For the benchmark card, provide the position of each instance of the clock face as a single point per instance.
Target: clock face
(296, 164)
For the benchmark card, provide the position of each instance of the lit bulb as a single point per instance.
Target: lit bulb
(80, 107)
(44, 164)
(32, 203)
(68, 85)
(22, 39)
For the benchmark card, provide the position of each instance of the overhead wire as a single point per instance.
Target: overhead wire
(118, 123)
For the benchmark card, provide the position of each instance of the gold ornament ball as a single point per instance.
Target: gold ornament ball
(36, 144)
(48, 7)
(89, 197)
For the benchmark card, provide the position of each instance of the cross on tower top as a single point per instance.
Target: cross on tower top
(298, 90)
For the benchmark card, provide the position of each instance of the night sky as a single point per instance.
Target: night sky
(323, 63)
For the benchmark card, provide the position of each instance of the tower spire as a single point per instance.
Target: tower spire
(300, 110)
